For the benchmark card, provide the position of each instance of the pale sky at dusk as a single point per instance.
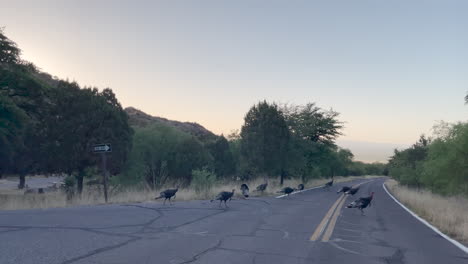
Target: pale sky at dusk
(391, 68)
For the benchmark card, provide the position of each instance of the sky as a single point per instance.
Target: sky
(392, 69)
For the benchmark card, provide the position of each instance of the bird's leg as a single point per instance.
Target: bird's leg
(220, 201)
(225, 204)
(362, 211)
(164, 203)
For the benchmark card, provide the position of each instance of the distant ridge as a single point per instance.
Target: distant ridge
(139, 118)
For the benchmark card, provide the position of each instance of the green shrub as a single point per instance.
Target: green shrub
(203, 180)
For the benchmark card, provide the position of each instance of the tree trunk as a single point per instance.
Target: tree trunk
(79, 182)
(22, 182)
(282, 177)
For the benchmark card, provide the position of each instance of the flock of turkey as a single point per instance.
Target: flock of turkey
(361, 203)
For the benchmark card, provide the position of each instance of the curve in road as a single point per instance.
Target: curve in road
(257, 230)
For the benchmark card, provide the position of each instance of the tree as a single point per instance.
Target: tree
(407, 165)
(22, 91)
(50, 125)
(223, 160)
(310, 122)
(313, 133)
(9, 52)
(161, 153)
(265, 138)
(81, 118)
(12, 123)
(445, 168)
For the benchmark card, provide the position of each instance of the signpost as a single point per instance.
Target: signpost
(103, 149)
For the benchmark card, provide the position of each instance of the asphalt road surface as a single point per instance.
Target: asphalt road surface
(301, 228)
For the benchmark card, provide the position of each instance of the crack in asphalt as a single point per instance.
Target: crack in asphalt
(168, 208)
(133, 237)
(92, 230)
(170, 228)
(14, 230)
(101, 250)
(196, 256)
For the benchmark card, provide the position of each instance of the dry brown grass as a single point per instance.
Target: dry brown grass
(448, 214)
(15, 199)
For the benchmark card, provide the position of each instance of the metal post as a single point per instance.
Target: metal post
(104, 175)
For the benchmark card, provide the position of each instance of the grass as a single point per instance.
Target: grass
(16, 199)
(448, 214)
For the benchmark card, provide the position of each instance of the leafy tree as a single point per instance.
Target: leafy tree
(313, 152)
(9, 52)
(20, 90)
(12, 123)
(161, 153)
(223, 160)
(81, 118)
(407, 165)
(190, 154)
(445, 169)
(310, 122)
(265, 138)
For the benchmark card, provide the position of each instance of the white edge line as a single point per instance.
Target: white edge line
(451, 240)
(283, 195)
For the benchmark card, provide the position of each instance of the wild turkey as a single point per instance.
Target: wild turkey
(245, 190)
(353, 191)
(300, 187)
(329, 184)
(287, 190)
(167, 194)
(224, 196)
(262, 187)
(344, 189)
(362, 203)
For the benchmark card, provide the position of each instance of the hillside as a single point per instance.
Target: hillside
(139, 118)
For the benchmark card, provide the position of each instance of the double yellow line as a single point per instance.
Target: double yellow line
(331, 214)
(330, 219)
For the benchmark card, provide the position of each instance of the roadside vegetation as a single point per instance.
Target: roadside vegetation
(439, 164)
(431, 178)
(48, 126)
(447, 213)
(16, 199)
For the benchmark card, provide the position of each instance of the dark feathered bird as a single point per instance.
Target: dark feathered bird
(287, 190)
(262, 187)
(344, 189)
(224, 196)
(362, 203)
(329, 184)
(300, 187)
(245, 190)
(353, 191)
(168, 194)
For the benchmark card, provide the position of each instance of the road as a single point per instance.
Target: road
(257, 230)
